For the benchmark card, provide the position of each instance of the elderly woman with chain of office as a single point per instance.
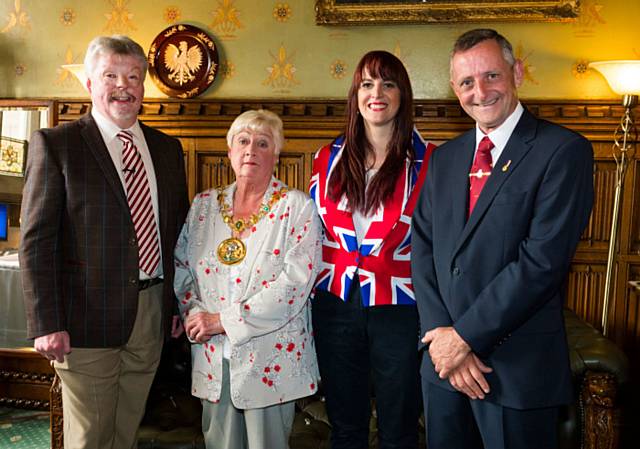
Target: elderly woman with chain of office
(245, 264)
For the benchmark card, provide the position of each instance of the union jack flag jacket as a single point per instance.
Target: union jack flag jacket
(382, 261)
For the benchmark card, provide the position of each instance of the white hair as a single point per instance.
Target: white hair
(258, 120)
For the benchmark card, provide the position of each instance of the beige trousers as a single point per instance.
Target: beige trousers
(104, 390)
(226, 427)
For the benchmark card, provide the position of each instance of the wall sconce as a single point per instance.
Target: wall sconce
(78, 71)
(624, 79)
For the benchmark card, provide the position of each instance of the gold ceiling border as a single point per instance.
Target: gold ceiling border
(352, 12)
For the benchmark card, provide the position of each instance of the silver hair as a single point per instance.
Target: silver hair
(116, 44)
(258, 120)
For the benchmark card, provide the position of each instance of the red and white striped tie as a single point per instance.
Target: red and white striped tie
(139, 199)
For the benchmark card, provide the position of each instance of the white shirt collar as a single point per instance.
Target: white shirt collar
(110, 130)
(500, 136)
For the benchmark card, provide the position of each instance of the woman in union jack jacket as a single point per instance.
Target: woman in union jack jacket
(365, 184)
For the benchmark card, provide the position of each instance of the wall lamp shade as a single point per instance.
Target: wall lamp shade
(623, 76)
(78, 71)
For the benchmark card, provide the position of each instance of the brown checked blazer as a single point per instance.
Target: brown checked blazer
(78, 254)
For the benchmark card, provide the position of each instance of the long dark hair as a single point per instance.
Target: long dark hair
(349, 177)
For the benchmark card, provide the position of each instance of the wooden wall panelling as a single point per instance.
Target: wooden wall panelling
(599, 228)
(187, 152)
(212, 170)
(291, 170)
(584, 284)
(303, 148)
(628, 257)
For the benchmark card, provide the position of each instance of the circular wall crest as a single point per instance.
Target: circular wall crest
(183, 61)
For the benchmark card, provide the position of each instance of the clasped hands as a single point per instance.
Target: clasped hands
(201, 326)
(453, 360)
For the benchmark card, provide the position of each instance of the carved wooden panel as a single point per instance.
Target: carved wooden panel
(55, 412)
(601, 421)
(290, 170)
(211, 166)
(212, 170)
(596, 236)
(584, 289)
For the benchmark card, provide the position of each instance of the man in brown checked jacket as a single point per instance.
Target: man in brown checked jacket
(104, 200)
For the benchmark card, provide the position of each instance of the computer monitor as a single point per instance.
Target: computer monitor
(4, 221)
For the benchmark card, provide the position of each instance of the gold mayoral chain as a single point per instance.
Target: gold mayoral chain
(232, 251)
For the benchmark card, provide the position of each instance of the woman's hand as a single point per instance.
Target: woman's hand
(200, 327)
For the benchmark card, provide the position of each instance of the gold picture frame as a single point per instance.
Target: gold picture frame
(13, 156)
(373, 12)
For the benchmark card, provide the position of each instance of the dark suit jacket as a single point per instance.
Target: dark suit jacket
(78, 254)
(497, 277)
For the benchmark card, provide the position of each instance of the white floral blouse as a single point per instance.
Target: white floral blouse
(267, 322)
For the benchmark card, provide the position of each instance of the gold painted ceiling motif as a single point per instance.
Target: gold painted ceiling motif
(282, 71)
(18, 19)
(65, 77)
(227, 69)
(172, 14)
(120, 19)
(20, 69)
(580, 69)
(282, 12)
(338, 69)
(67, 17)
(225, 19)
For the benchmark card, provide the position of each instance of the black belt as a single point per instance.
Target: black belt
(143, 285)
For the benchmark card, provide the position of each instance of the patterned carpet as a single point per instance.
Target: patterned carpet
(24, 429)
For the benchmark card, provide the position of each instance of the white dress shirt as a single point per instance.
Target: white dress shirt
(109, 132)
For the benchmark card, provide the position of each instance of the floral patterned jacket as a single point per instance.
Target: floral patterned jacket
(268, 324)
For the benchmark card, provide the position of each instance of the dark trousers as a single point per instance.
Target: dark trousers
(455, 421)
(361, 346)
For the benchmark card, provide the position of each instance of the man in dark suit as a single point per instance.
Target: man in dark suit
(494, 231)
(104, 200)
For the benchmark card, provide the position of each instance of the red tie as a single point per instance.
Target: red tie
(139, 199)
(480, 171)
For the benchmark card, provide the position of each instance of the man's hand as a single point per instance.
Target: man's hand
(446, 348)
(200, 327)
(468, 377)
(53, 346)
(176, 326)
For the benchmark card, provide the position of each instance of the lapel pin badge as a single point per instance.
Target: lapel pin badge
(505, 167)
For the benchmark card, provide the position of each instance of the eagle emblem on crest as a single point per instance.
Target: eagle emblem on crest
(182, 62)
